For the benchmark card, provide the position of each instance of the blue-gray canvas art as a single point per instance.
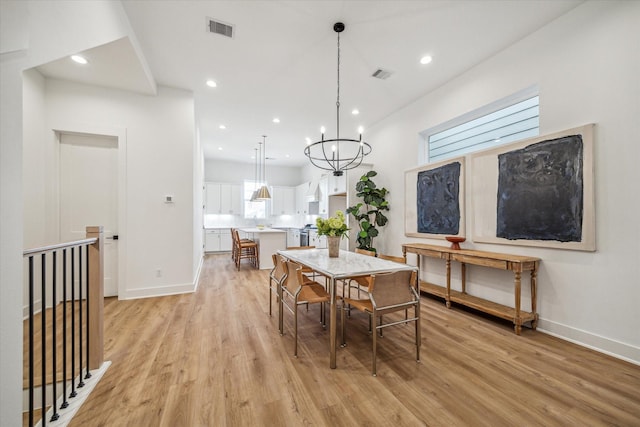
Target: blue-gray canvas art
(540, 191)
(438, 200)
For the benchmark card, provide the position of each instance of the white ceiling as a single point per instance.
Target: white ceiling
(281, 61)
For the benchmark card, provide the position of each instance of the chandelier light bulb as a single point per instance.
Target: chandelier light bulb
(322, 129)
(360, 130)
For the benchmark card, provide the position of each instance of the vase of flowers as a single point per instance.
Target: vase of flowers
(334, 228)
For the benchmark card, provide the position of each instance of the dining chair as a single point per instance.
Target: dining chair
(277, 275)
(308, 272)
(398, 259)
(364, 252)
(387, 293)
(301, 293)
(359, 282)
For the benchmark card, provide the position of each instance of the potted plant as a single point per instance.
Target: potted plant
(334, 228)
(372, 216)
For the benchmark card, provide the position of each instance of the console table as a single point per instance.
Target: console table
(516, 263)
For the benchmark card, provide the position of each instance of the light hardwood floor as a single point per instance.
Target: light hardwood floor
(215, 358)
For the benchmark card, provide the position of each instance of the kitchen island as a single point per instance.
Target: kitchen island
(270, 241)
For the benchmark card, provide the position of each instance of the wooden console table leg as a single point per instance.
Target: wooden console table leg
(448, 294)
(463, 273)
(518, 319)
(534, 304)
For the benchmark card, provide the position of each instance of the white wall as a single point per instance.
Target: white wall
(217, 170)
(587, 66)
(160, 144)
(38, 32)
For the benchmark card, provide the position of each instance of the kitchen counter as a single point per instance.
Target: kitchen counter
(262, 230)
(270, 241)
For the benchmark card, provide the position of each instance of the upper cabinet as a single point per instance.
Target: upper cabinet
(302, 202)
(283, 201)
(223, 199)
(323, 199)
(337, 185)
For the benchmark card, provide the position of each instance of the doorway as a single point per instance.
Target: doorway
(89, 194)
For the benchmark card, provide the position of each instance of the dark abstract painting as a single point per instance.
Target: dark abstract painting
(438, 192)
(540, 191)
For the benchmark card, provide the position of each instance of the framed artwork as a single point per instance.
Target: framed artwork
(537, 192)
(434, 200)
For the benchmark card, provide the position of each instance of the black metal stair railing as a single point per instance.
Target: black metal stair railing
(70, 271)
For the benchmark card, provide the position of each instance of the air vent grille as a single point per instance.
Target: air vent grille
(381, 74)
(217, 27)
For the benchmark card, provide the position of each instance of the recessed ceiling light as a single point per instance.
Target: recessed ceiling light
(426, 59)
(287, 156)
(355, 111)
(308, 140)
(211, 83)
(276, 120)
(79, 59)
(219, 148)
(222, 127)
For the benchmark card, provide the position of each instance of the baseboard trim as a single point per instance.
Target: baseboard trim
(158, 291)
(617, 349)
(196, 281)
(37, 307)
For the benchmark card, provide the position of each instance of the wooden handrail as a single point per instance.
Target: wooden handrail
(75, 243)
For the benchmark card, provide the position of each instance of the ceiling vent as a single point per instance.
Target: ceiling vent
(218, 27)
(381, 74)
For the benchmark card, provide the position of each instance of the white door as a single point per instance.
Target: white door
(89, 195)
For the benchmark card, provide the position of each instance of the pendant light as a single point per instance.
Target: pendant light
(263, 192)
(338, 154)
(255, 176)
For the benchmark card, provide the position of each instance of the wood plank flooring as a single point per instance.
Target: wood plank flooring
(215, 358)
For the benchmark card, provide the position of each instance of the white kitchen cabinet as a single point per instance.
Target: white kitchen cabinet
(217, 240)
(316, 240)
(323, 200)
(337, 184)
(223, 199)
(283, 200)
(293, 237)
(302, 202)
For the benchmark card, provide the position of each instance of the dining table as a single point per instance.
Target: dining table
(345, 266)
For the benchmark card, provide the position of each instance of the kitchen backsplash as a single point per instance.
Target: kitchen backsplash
(281, 221)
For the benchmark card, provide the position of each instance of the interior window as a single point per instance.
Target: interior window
(256, 209)
(504, 121)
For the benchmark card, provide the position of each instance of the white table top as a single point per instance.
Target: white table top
(261, 230)
(348, 264)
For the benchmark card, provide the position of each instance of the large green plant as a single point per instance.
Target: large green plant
(372, 216)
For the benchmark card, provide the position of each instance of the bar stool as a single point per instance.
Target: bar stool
(244, 248)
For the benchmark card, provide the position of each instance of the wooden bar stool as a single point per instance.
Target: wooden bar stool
(244, 249)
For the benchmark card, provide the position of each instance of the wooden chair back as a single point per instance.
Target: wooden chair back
(392, 291)
(399, 259)
(364, 252)
(293, 280)
(279, 271)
